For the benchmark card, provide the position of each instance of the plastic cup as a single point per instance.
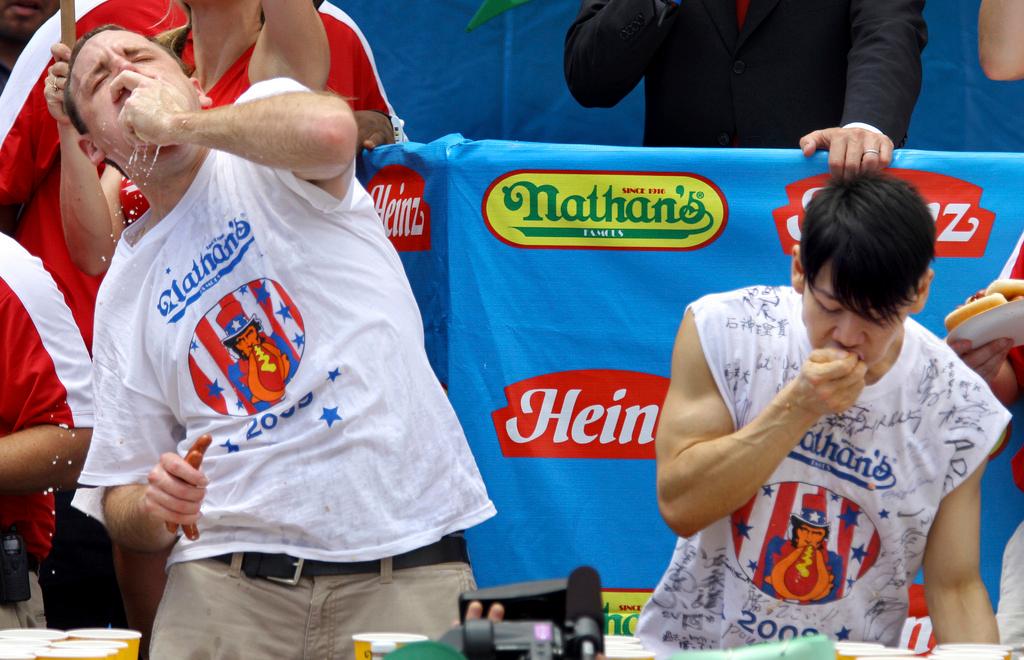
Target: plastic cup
(129, 637)
(622, 640)
(78, 654)
(364, 641)
(33, 634)
(19, 644)
(887, 652)
(973, 650)
(853, 650)
(618, 652)
(110, 646)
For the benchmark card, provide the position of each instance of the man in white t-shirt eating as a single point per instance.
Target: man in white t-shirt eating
(817, 447)
(260, 302)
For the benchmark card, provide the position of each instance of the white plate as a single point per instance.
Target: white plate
(1002, 321)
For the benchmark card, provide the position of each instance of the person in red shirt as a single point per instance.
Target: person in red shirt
(93, 227)
(46, 417)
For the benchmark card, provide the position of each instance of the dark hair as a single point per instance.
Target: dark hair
(69, 102)
(879, 238)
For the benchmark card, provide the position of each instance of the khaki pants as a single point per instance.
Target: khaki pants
(212, 611)
(26, 614)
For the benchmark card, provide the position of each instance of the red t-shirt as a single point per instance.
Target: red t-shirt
(353, 75)
(30, 145)
(45, 372)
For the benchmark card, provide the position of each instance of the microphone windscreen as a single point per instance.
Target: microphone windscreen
(583, 595)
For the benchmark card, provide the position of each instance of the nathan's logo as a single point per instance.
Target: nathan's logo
(218, 258)
(605, 210)
(397, 193)
(845, 460)
(962, 227)
(581, 414)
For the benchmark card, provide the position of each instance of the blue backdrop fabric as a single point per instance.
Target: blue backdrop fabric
(521, 333)
(504, 80)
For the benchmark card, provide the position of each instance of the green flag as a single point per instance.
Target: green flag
(490, 9)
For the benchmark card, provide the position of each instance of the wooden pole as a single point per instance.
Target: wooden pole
(67, 23)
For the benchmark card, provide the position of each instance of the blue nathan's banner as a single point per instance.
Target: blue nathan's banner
(553, 280)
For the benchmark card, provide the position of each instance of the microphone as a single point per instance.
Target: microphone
(583, 613)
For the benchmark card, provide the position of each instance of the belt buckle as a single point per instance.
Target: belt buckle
(294, 579)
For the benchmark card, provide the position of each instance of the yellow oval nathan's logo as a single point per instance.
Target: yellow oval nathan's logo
(605, 210)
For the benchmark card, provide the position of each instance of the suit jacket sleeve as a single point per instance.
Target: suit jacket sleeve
(883, 77)
(609, 45)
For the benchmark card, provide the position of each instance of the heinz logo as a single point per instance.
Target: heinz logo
(962, 227)
(604, 210)
(594, 413)
(397, 193)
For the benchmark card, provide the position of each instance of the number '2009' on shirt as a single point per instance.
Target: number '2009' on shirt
(269, 421)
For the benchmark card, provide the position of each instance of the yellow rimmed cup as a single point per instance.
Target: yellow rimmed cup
(887, 652)
(113, 645)
(33, 634)
(78, 654)
(852, 650)
(971, 651)
(129, 637)
(620, 652)
(364, 641)
(17, 654)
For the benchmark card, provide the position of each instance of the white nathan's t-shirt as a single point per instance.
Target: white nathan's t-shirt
(832, 541)
(275, 317)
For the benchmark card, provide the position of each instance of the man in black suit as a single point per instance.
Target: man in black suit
(841, 75)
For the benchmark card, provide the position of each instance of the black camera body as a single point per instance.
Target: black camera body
(544, 620)
(14, 582)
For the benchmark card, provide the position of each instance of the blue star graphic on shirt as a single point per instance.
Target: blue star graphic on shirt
(767, 491)
(168, 271)
(883, 513)
(285, 312)
(743, 530)
(261, 294)
(330, 416)
(859, 553)
(232, 448)
(244, 288)
(299, 340)
(835, 498)
(333, 373)
(193, 346)
(239, 405)
(843, 634)
(849, 582)
(752, 565)
(850, 517)
(214, 389)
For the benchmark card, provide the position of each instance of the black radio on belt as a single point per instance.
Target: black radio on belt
(14, 583)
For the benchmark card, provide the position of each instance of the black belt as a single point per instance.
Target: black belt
(288, 569)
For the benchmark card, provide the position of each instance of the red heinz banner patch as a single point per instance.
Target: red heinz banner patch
(591, 413)
(962, 227)
(397, 193)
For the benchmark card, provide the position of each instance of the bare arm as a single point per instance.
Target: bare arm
(292, 44)
(1000, 47)
(312, 134)
(90, 208)
(706, 468)
(136, 514)
(958, 603)
(42, 457)
(990, 361)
